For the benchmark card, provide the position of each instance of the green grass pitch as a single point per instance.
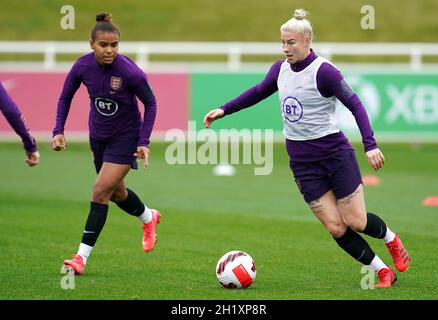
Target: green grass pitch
(43, 212)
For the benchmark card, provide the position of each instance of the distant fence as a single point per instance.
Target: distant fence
(401, 106)
(402, 102)
(234, 51)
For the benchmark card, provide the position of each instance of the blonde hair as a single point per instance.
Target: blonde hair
(298, 23)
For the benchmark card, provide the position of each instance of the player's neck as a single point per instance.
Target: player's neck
(309, 57)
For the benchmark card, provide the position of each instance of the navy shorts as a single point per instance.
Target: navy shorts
(119, 150)
(339, 173)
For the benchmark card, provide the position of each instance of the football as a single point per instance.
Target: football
(236, 269)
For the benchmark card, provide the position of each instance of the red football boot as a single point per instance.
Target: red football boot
(386, 277)
(77, 263)
(149, 234)
(399, 254)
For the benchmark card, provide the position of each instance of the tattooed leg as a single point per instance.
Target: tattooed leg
(326, 210)
(353, 211)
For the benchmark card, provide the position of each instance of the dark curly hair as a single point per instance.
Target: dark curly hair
(104, 24)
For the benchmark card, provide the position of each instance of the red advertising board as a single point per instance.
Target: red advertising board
(37, 93)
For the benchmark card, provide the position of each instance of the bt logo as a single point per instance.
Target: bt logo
(292, 109)
(105, 106)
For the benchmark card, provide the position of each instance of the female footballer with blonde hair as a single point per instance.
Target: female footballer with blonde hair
(322, 159)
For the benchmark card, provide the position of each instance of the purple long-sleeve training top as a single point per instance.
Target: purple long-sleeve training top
(16, 119)
(330, 82)
(113, 105)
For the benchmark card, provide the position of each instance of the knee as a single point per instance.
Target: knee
(357, 224)
(101, 194)
(337, 230)
(119, 195)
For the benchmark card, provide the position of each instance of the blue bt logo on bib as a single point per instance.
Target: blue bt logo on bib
(292, 109)
(105, 106)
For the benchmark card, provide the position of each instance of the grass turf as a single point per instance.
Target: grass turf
(43, 212)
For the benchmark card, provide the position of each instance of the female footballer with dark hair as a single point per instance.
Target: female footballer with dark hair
(322, 160)
(118, 136)
(17, 121)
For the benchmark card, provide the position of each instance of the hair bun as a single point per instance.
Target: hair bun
(104, 17)
(300, 14)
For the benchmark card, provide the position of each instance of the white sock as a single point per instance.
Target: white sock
(84, 251)
(389, 236)
(146, 216)
(377, 264)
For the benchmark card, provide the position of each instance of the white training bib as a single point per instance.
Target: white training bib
(306, 113)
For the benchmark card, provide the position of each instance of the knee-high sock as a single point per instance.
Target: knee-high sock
(375, 227)
(356, 246)
(95, 222)
(135, 207)
(132, 204)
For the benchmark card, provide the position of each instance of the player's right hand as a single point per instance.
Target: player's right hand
(58, 142)
(212, 116)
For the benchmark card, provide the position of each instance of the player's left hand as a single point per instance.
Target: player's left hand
(143, 154)
(375, 158)
(213, 115)
(32, 158)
